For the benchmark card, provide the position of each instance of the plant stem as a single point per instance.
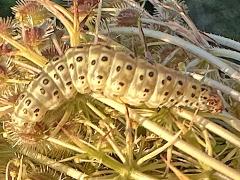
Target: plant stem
(221, 52)
(55, 165)
(181, 43)
(108, 161)
(182, 145)
(225, 41)
(26, 52)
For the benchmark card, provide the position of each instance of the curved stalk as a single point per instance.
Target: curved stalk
(25, 52)
(181, 43)
(55, 165)
(225, 41)
(110, 141)
(182, 145)
(108, 161)
(221, 52)
(60, 14)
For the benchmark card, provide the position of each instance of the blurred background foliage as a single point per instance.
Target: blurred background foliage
(216, 16)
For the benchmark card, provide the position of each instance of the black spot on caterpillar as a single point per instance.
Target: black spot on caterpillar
(115, 74)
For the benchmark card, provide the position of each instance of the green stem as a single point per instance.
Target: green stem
(182, 145)
(101, 157)
(123, 170)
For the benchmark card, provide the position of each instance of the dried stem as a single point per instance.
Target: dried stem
(110, 141)
(25, 52)
(55, 165)
(159, 150)
(129, 138)
(216, 129)
(54, 9)
(225, 41)
(221, 52)
(182, 145)
(63, 121)
(181, 43)
(108, 161)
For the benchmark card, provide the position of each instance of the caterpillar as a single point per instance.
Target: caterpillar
(117, 75)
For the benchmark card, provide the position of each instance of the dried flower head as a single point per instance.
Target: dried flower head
(52, 52)
(34, 36)
(6, 66)
(6, 25)
(83, 6)
(5, 49)
(128, 17)
(30, 12)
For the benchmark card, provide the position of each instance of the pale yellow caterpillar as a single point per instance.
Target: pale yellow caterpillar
(115, 74)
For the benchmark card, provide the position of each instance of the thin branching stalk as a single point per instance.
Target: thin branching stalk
(159, 150)
(169, 58)
(26, 66)
(55, 165)
(108, 161)
(176, 28)
(226, 117)
(182, 145)
(193, 63)
(56, 45)
(129, 138)
(225, 41)
(7, 169)
(110, 141)
(20, 170)
(99, 14)
(137, 175)
(135, 5)
(221, 52)
(177, 172)
(188, 20)
(62, 122)
(63, 144)
(17, 81)
(181, 43)
(216, 129)
(208, 146)
(25, 52)
(61, 9)
(74, 35)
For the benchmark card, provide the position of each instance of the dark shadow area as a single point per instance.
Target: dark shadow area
(216, 16)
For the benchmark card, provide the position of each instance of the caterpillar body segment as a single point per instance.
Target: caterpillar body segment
(116, 74)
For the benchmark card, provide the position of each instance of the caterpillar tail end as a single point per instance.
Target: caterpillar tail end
(210, 100)
(214, 103)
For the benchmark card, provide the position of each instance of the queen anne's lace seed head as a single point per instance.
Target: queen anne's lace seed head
(128, 17)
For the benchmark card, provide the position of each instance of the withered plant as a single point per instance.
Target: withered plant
(93, 137)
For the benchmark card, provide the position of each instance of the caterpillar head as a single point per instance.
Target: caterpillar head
(211, 100)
